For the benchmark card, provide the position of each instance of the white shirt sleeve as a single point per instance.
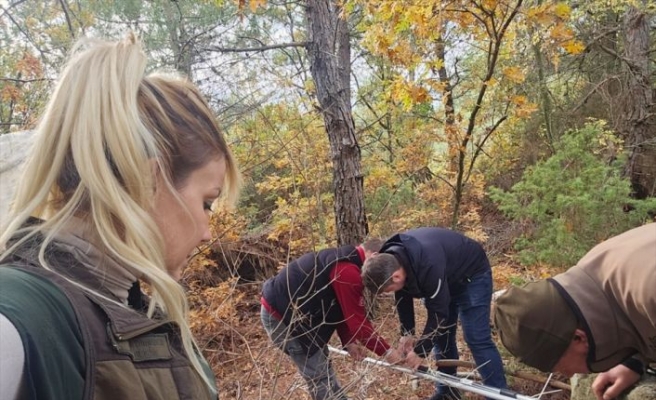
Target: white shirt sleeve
(12, 360)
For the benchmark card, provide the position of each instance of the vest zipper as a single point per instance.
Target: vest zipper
(133, 334)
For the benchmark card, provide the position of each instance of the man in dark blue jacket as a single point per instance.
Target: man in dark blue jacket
(452, 274)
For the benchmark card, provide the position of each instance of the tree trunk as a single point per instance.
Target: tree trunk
(455, 151)
(330, 65)
(545, 98)
(639, 134)
(450, 127)
(179, 39)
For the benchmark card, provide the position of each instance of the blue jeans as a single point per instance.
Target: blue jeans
(472, 304)
(316, 370)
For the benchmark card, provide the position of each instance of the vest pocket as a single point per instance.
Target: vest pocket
(119, 379)
(153, 347)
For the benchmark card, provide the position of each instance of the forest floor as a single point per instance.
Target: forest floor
(248, 367)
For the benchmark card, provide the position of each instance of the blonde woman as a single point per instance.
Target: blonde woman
(118, 189)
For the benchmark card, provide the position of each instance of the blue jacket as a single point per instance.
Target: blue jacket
(438, 263)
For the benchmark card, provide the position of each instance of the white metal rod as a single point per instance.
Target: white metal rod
(449, 380)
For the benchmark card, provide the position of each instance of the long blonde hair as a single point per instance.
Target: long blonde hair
(103, 126)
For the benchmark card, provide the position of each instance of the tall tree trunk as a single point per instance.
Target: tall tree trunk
(180, 41)
(450, 127)
(545, 98)
(452, 133)
(330, 65)
(638, 131)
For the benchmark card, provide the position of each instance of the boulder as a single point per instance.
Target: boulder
(643, 390)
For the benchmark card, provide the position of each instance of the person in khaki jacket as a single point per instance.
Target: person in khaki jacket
(117, 190)
(598, 316)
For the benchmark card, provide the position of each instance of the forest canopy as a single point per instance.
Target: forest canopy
(365, 117)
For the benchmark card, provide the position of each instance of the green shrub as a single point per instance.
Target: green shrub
(574, 199)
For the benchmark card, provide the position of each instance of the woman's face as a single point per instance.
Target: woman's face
(185, 225)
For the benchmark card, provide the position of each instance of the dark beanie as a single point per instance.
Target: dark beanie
(535, 324)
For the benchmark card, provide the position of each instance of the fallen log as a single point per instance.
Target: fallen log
(517, 374)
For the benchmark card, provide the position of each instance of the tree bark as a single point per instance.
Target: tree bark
(330, 66)
(639, 134)
(450, 127)
(180, 42)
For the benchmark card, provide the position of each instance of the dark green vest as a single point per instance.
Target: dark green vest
(81, 346)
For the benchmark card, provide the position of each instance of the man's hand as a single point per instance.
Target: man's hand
(406, 344)
(412, 360)
(608, 385)
(356, 351)
(394, 356)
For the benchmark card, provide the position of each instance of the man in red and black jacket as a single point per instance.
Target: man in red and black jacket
(310, 299)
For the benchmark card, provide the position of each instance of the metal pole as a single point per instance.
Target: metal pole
(449, 380)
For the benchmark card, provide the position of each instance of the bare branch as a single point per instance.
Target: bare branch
(23, 80)
(20, 27)
(68, 18)
(12, 5)
(257, 49)
(449, 184)
(590, 93)
(479, 146)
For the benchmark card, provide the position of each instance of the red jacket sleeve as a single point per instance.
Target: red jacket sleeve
(347, 284)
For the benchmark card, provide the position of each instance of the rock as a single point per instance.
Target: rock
(643, 390)
(14, 148)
